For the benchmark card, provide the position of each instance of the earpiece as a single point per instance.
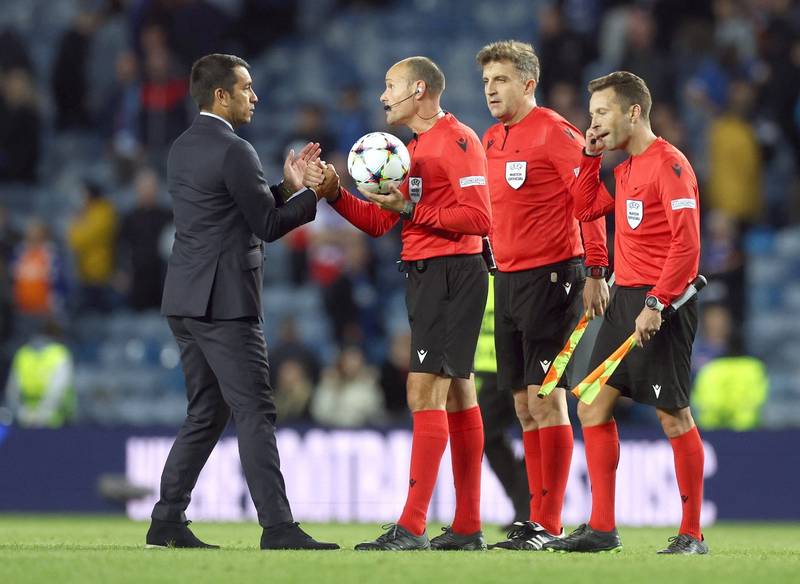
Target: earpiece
(389, 106)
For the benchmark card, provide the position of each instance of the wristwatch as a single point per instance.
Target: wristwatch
(596, 272)
(408, 210)
(654, 303)
(285, 192)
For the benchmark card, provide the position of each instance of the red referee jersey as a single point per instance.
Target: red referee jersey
(531, 165)
(657, 216)
(447, 180)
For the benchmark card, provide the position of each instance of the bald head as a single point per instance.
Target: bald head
(423, 69)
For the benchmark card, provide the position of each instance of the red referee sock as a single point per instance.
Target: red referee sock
(689, 459)
(533, 466)
(556, 448)
(427, 446)
(602, 457)
(466, 451)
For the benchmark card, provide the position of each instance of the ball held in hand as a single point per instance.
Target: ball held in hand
(378, 160)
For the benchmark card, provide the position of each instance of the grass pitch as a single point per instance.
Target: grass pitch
(89, 549)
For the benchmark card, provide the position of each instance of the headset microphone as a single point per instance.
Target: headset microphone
(389, 106)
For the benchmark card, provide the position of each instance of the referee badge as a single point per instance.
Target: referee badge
(415, 188)
(515, 173)
(635, 212)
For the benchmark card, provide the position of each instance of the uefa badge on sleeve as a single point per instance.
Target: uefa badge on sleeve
(635, 212)
(415, 188)
(515, 173)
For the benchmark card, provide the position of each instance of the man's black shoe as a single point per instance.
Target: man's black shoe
(526, 535)
(685, 544)
(586, 539)
(289, 536)
(397, 539)
(171, 534)
(450, 541)
(513, 525)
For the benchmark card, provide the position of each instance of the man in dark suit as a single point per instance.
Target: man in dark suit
(223, 210)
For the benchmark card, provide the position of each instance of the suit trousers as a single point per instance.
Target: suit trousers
(227, 374)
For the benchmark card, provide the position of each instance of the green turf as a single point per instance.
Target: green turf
(85, 550)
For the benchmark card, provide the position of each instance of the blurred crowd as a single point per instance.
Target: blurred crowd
(725, 78)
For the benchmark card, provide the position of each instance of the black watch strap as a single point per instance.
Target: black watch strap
(284, 191)
(596, 272)
(408, 210)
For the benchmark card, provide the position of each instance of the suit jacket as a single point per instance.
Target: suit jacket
(223, 209)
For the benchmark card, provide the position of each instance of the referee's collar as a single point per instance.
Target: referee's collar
(415, 136)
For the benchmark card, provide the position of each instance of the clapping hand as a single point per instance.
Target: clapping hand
(295, 165)
(323, 179)
(314, 174)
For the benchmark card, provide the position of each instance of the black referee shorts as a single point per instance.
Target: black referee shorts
(535, 312)
(657, 374)
(445, 298)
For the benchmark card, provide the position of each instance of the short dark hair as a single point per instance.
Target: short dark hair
(520, 54)
(629, 88)
(212, 72)
(424, 69)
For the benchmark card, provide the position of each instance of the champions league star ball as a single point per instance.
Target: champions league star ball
(378, 160)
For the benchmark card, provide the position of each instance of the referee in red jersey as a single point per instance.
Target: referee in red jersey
(540, 287)
(444, 206)
(657, 252)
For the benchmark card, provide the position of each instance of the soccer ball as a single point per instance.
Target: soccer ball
(378, 160)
